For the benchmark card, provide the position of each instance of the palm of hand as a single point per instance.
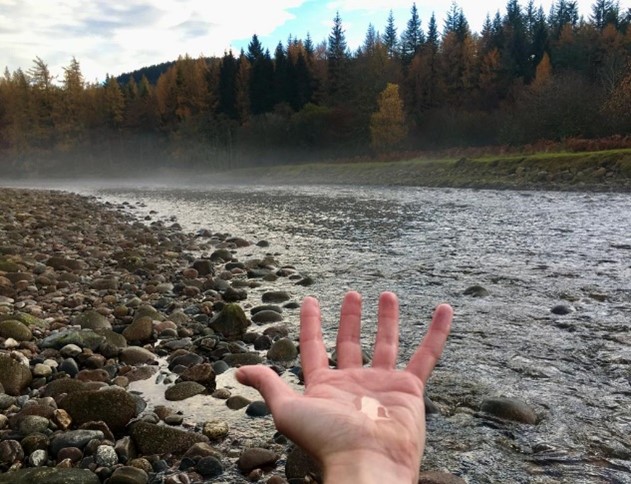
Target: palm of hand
(378, 412)
(365, 408)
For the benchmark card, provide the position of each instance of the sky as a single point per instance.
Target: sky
(114, 36)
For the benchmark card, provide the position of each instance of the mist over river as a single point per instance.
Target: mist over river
(531, 251)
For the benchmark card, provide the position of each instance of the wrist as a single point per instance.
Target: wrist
(367, 467)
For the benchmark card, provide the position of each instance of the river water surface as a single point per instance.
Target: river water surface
(530, 250)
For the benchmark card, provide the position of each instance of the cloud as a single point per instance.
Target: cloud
(118, 36)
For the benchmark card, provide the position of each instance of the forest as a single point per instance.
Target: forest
(529, 77)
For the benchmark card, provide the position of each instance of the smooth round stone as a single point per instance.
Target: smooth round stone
(184, 390)
(69, 366)
(237, 402)
(255, 458)
(283, 349)
(33, 424)
(174, 419)
(70, 350)
(38, 458)
(509, 409)
(10, 452)
(129, 475)
(42, 370)
(73, 454)
(209, 467)
(215, 429)
(220, 367)
(106, 456)
(257, 409)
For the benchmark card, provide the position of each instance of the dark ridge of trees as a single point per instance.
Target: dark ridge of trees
(528, 76)
(152, 73)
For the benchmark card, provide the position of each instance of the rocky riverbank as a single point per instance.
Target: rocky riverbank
(93, 303)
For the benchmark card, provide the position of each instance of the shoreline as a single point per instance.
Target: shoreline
(91, 301)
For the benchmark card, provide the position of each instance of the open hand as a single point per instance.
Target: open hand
(363, 424)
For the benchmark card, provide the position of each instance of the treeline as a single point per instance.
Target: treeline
(527, 76)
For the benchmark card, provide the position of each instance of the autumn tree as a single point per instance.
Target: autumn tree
(387, 124)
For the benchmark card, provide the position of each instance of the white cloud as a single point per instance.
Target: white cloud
(118, 36)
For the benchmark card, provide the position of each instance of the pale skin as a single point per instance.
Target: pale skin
(363, 424)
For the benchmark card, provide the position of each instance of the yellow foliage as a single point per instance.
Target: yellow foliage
(543, 74)
(387, 124)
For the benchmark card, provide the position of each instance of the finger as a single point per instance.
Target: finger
(267, 382)
(387, 343)
(430, 349)
(349, 353)
(312, 352)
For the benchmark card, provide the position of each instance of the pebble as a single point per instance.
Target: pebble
(254, 458)
(215, 429)
(106, 456)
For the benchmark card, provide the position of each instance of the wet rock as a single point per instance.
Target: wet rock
(50, 475)
(561, 309)
(140, 329)
(128, 475)
(509, 409)
(32, 424)
(157, 439)
(85, 338)
(184, 390)
(255, 458)
(15, 329)
(14, 376)
(300, 464)
(220, 367)
(209, 467)
(257, 409)
(221, 255)
(282, 350)
(237, 402)
(92, 319)
(105, 455)
(437, 477)
(215, 429)
(10, 452)
(241, 359)
(267, 316)
(262, 342)
(231, 322)
(112, 405)
(136, 355)
(73, 438)
(38, 458)
(476, 291)
(275, 297)
(202, 373)
(63, 385)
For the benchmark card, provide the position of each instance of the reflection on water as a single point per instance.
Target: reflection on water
(531, 251)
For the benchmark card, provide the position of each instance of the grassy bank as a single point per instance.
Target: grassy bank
(601, 170)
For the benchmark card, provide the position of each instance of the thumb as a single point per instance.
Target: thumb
(267, 382)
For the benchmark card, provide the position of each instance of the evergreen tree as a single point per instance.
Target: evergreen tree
(562, 13)
(605, 12)
(412, 38)
(337, 63)
(432, 33)
(226, 88)
(390, 39)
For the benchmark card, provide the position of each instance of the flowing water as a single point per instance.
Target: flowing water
(530, 250)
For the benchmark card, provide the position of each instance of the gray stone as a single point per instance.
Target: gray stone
(159, 439)
(267, 316)
(209, 467)
(136, 355)
(509, 409)
(105, 455)
(16, 330)
(275, 297)
(184, 390)
(231, 322)
(255, 458)
(38, 458)
(50, 475)
(476, 291)
(73, 438)
(112, 405)
(129, 475)
(85, 338)
(92, 319)
(283, 349)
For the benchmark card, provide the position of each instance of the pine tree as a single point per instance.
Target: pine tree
(412, 38)
(338, 63)
(390, 38)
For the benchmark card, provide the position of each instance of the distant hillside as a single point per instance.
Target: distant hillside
(152, 73)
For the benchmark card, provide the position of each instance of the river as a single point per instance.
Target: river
(530, 250)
